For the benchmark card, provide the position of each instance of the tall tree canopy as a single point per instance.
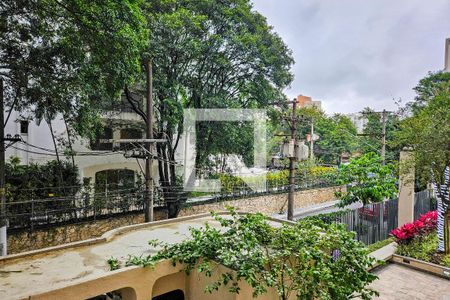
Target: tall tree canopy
(337, 135)
(69, 56)
(210, 54)
(427, 89)
(427, 131)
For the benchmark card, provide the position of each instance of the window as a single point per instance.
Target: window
(114, 179)
(107, 133)
(23, 127)
(129, 133)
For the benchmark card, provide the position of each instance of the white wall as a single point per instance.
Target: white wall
(39, 135)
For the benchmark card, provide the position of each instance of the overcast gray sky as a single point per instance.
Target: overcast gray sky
(351, 53)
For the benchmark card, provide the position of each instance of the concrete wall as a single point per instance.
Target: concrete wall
(267, 204)
(137, 283)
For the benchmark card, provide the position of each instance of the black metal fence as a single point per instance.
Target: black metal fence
(374, 222)
(35, 213)
(43, 212)
(266, 187)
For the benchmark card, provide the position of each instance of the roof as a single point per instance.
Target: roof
(35, 272)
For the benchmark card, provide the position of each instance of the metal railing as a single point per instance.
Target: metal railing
(59, 210)
(37, 213)
(374, 222)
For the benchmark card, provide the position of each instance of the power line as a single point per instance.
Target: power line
(75, 154)
(79, 153)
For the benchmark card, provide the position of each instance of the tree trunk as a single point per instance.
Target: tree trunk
(70, 142)
(49, 122)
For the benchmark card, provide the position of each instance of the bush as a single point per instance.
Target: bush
(309, 260)
(50, 181)
(422, 247)
(409, 231)
(328, 218)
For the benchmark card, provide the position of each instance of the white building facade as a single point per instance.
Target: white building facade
(91, 157)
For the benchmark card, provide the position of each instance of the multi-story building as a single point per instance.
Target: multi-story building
(94, 158)
(359, 120)
(305, 101)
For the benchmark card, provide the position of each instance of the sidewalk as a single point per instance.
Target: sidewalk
(322, 208)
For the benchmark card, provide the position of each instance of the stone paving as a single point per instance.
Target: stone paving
(397, 282)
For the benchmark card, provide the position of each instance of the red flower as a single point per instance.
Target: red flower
(409, 231)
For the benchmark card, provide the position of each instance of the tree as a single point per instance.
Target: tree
(307, 260)
(367, 180)
(69, 57)
(427, 131)
(209, 54)
(372, 139)
(427, 89)
(337, 135)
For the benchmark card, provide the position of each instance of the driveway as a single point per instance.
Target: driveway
(397, 282)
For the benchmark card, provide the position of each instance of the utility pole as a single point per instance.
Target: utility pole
(292, 160)
(3, 220)
(384, 115)
(383, 136)
(149, 161)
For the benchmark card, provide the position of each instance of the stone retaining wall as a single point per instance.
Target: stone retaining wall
(268, 204)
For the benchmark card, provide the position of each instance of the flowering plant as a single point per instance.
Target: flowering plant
(423, 226)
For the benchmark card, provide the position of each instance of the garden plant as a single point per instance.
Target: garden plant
(308, 260)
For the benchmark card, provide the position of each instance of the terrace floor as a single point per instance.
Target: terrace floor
(397, 282)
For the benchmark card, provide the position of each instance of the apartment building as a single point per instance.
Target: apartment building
(94, 158)
(306, 101)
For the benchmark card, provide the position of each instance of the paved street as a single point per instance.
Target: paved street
(397, 282)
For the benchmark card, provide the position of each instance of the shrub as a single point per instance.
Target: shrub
(308, 260)
(421, 227)
(422, 247)
(446, 260)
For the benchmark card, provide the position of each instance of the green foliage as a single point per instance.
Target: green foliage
(371, 141)
(422, 247)
(278, 179)
(367, 180)
(38, 181)
(233, 184)
(427, 88)
(380, 244)
(113, 264)
(322, 171)
(338, 135)
(212, 54)
(328, 218)
(69, 57)
(295, 260)
(428, 133)
(446, 260)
